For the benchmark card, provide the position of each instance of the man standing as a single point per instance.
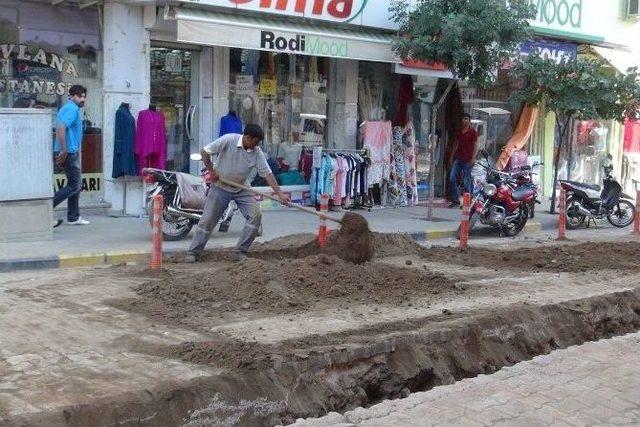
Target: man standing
(464, 152)
(237, 155)
(67, 153)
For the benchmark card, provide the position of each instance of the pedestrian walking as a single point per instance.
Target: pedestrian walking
(464, 153)
(237, 155)
(66, 150)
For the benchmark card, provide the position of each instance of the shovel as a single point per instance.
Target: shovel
(276, 199)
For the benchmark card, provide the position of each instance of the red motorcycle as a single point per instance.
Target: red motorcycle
(503, 200)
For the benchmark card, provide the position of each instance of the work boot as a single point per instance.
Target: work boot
(239, 257)
(190, 258)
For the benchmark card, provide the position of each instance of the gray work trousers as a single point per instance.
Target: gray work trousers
(214, 207)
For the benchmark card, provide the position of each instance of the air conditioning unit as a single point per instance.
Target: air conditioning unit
(633, 9)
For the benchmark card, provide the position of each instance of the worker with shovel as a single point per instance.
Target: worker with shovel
(237, 156)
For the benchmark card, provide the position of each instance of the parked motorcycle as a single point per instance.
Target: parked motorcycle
(592, 202)
(501, 202)
(178, 218)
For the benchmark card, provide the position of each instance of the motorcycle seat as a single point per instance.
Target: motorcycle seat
(583, 185)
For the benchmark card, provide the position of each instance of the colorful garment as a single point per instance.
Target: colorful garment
(377, 139)
(151, 140)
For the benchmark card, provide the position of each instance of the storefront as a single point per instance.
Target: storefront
(43, 51)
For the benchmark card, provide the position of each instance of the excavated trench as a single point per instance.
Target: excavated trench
(272, 383)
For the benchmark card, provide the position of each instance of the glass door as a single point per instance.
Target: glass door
(174, 93)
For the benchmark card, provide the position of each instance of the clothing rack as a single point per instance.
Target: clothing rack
(344, 150)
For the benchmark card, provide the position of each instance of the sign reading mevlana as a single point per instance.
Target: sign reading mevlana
(36, 71)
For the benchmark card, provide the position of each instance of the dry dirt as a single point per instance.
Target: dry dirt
(291, 275)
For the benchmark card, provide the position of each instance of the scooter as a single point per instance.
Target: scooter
(592, 202)
(179, 219)
(499, 201)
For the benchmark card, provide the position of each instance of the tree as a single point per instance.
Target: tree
(471, 37)
(580, 89)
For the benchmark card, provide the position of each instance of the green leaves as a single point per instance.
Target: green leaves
(472, 37)
(580, 89)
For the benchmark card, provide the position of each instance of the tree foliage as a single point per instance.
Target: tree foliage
(471, 37)
(581, 89)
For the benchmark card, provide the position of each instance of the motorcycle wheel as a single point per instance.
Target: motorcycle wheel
(173, 229)
(574, 218)
(622, 214)
(514, 228)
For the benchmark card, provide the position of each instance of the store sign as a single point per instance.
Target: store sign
(91, 182)
(565, 13)
(547, 49)
(372, 13)
(310, 45)
(33, 70)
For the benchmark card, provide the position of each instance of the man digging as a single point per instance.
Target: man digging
(237, 156)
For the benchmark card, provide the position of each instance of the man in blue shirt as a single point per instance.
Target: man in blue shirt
(67, 153)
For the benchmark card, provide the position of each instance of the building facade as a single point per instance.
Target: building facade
(310, 72)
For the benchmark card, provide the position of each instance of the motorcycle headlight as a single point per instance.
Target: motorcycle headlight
(490, 189)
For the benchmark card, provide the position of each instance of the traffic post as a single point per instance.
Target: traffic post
(562, 218)
(156, 241)
(464, 224)
(636, 221)
(322, 229)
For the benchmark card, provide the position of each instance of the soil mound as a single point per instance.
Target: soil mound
(583, 257)
(279, 287)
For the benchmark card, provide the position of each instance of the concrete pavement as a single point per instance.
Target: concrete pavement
(109, 240)
(597, 383)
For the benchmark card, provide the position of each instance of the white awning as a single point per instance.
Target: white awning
(619, 59)
(280, 35)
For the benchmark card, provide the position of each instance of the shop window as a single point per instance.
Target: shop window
(287, 96)
(378, 90)
(171, 94)
(587, 153)
(46, 49)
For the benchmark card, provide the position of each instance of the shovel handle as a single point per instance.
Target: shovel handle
(276, 199)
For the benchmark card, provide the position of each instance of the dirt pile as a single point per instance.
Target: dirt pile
(570, 258)
(279, 287)
(352, 242)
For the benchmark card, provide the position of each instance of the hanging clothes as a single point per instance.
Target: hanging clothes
(231, 123)
(410, 164)
(377, 139)
(151, 140)
(317, 179)
(124, 159)
(405, 97)
(398, 195)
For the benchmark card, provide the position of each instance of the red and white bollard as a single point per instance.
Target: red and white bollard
(322, 229)
(464, 224)
(636, 221)
(562, 218)
(156, 251)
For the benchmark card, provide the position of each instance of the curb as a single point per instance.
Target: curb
(530, 227)
(76, 260)
(139, 257)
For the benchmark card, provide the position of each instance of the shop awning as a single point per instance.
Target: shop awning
(619, 59)
(280, 35)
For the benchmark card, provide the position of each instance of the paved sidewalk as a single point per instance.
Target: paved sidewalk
(110, 240)
(597, 383)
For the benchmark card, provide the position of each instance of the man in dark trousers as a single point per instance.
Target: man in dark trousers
(67, 148)
(237, 155)
(464, 157)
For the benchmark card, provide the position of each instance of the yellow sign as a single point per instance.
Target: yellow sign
(268, 86)
(91, 182)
